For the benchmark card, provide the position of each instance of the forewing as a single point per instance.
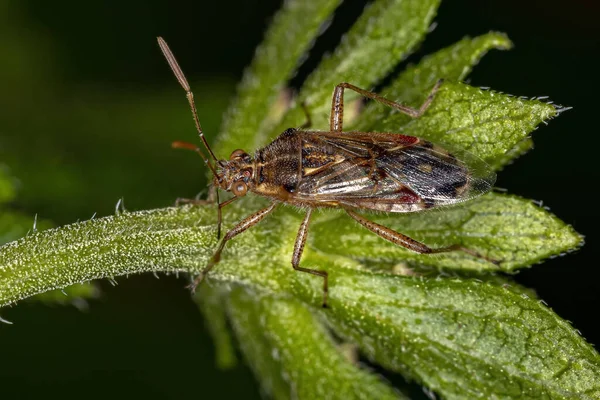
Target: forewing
(438, 176)
(392, 172)
(345, 165)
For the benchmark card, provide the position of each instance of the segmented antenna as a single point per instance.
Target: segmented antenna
(185, 85)
(183, 145)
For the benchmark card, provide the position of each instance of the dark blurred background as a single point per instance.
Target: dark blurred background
(88, 109)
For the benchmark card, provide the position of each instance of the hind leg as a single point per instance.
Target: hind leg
(411, 244)
(336, 117)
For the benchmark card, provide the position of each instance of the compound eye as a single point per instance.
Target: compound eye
(239, 188)
(237, 153)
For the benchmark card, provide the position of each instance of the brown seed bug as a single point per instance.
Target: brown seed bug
(351, 170)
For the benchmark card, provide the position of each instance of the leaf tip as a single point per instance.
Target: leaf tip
(498, 40)
(560, 109)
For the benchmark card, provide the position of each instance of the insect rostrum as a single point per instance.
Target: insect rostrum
(310, 169)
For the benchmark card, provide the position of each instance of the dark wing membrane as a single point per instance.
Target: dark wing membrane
(392, 172)
(440, 177)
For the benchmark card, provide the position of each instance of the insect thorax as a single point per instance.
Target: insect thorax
(278, 165)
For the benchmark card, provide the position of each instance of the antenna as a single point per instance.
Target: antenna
(183, 145)
(190, 96)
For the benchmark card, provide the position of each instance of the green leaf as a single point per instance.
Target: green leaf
(384, 34)
(211, 302)
(506, 228)
(492, 125)
(14, 225)
(461, 338)
(292, 354)
(246, 324)
(412, 86)
(182, 238)
(97, 248)
(172, 239)
(484, 122)
(520, 148)
(288, 38)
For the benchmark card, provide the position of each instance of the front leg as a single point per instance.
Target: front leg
(299, 248)
(213, 197)
(242, 226)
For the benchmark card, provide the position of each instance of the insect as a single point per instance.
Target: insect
(311, 169)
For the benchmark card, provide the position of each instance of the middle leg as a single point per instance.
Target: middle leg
(299, 248)
(213, 197)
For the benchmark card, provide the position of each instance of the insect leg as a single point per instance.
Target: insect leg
(411, 244)
(336, 115)
(220, 214)
(213, 197)
(299, 248)
(242, 226)
(337, 104)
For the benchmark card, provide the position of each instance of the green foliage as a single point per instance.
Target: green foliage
(285, 341)
(209, 299)
(14, 225)
(501, 227)
(453, 63)
(275, 61)
(463, 338)
(460, 318)
(384, 34)
(486, 123)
